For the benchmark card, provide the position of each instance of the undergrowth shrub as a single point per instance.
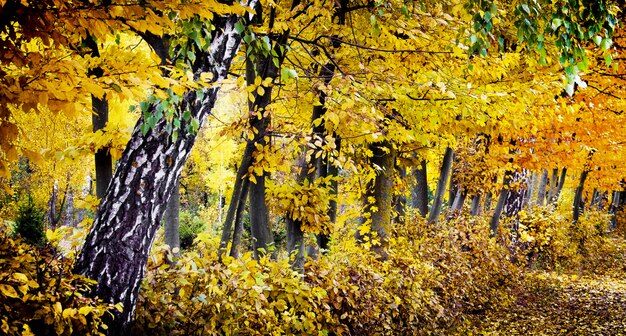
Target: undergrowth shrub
(431, 279)
(189, 228)
(39, 294)
(29, 223)
(549, 240)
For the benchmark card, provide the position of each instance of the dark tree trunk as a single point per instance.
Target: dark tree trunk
(400, 200)
(333, 171)
(459, 199)
(117, 247)
(104, 162)
(504, 193)
(172, 221)
(295, 236)
(238, 196)
(444, 175)
(579, 204)
(238, 232)
(381, 191)
(419, 195)
(560, 186)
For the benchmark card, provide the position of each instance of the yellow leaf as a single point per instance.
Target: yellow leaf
(58, 308)
(8, 291)
(20, 277)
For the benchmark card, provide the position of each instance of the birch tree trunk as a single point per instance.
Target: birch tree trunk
(116, 249)
(172, 221)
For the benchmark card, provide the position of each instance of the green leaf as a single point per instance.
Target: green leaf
(606, 44)
(286, 74)
(239, 27)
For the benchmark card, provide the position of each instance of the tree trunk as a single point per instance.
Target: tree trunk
(104, 162)
(419, 195)
(541, 197)
(504, 193)
(117, 247)
(560, 186)
(259, 216)
(333, 171)
(579, 204)
(237, 197)
(475, 208)
(238, 232)
(172, 221)
(530, 193)
(400, 200)
(459, 199)
(381, 191)
(444, 175)
(70, 211)
(295, 236)
(554, 181)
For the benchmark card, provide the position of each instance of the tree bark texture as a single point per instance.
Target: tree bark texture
(381, 191)
(497, 213)
(104, 162)
(295, 235)
(579, 204)
(237, 197)
(541, 195)
(444, 175)
(172, 221)
(117, 247)
(554, 181)
(238, 232)
(559, 186)
(399, 203)
(419, 197)
(475, 208)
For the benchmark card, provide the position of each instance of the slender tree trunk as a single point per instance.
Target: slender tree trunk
(541, 197)
(69, 219)
(528, 199)
(444, 175)
(400, 200)
(475, 208)
(419, 195)
(579, 204)
(459, 199)
(379, 214)
(51, 216)
(332, 170)
(104, 162)
(554, 181)
(172, 221)
(504, 193)
(560, 186)
(117, 247)
(237, 197)
(238, 232)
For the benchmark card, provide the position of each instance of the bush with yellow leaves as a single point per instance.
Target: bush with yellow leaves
(431, 279)
(39, 295)
(550, 240)
(200, 295)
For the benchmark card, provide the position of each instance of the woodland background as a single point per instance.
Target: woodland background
(312, 167)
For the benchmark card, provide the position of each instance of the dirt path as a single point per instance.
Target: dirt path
(562, 305)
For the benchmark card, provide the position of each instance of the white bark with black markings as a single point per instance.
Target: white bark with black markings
(117, 247)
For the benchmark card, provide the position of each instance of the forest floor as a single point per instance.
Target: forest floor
(591, 302)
